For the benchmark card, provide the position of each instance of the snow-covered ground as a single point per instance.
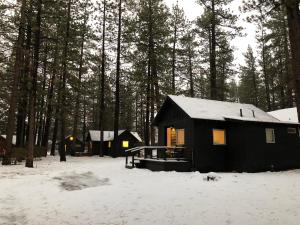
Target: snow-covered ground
(101, 191)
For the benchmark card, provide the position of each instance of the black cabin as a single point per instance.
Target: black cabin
(225, 136)
(73, 145)
(126, 140)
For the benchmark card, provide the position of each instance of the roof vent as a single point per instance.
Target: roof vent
(241, 112)
(253, 113)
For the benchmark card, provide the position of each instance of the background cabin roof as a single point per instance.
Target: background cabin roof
(197, 108)
(109, 135)
(288, 115)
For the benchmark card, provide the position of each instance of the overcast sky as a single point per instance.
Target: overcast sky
(193, 10)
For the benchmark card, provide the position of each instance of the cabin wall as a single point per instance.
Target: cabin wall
(120, 151)
(173, 116)
(261, 156)
(207, 156)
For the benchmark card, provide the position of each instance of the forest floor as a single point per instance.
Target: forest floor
(99, 191)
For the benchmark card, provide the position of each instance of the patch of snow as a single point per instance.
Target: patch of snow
(141, 197)
(288, 115)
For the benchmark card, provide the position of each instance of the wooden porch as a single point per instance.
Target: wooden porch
(158, 158)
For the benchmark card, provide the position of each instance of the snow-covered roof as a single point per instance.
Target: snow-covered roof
(14, 140)
(109, 135)
(287, 115)
(197, 108)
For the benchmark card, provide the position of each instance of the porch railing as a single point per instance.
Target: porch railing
(162, 152)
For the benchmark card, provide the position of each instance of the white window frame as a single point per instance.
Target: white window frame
(272, 130)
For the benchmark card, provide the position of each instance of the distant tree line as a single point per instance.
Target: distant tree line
(69, 66)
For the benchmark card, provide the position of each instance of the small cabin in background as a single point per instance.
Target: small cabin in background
(3, 144)
(226, 136)
(73, 145)
(126, 140)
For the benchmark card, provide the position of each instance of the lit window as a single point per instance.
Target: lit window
(270, 136)
(125, 144)
(180, 137)
(109, 144)
(292, 130)
(71, 138)
(219, 137)
(171, 136)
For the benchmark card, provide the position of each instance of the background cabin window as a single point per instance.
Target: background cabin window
(180, 137)
(270, 135)
(219, 137)
(291, 130)
(109, 144)
(125, 144)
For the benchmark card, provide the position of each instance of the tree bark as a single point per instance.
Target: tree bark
(213, 70)
(50, 96)
(102, 106)
(117, 94)
(77, 104)
(174, 53)
(33, 90)
(62, 151)
(293, 16)
(15, 86)
(42, 99)
(190, 68)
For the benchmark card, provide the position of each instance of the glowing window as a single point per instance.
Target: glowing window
(71, 138)
(109, 144)
(270, 136)
(180, 137)
(219, 137)
(125, 144)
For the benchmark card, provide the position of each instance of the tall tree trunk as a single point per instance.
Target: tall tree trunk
(62, 151)
(254, 80)
(174, 53)
(15, 86)
(190, 70)
(33, 90)
(102, 106)
(84, 121)
(293, 15)
(117, 94)
(25, 84)
(213, 70)
(55, 129)
(77, 104)
(264, 67)
(42, 99)
(50, 99)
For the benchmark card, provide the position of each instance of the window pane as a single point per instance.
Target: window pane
(125, 144)
(173, 136)
(270, 135)
(219, 137)
(169, 137)
(180, 137)
(292, 130)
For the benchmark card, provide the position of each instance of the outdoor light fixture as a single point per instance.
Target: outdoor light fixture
(71, 138)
